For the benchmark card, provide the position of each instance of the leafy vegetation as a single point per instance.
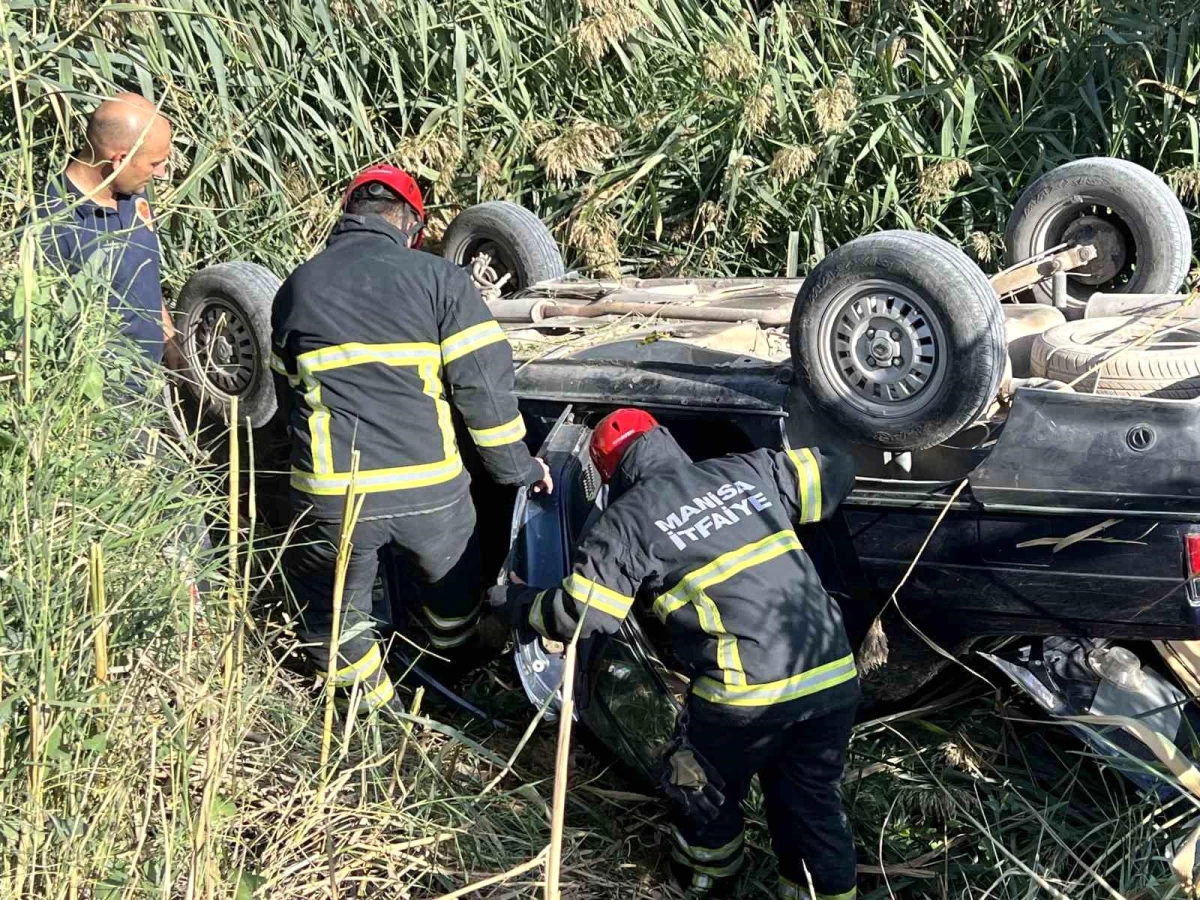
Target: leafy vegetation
(153, 746)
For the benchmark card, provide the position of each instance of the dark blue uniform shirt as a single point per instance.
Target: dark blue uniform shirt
(81, 228)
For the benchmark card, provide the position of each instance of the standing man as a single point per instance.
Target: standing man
(711, 549)
(99, 205)
(376, 340)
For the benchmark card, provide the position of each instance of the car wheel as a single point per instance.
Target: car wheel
(1166, 366)
(1130, 215)
(899, 338)
(224, 324)
(517, 242)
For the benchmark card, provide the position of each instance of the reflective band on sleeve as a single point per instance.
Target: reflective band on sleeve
(708, 854)
(811, 682)
(380, 695)
(470, 339)
(597, 596)
(537, 614)
(449, 642)
(808, 474)
(508, 433)
(845, 895)
(448, 623)
(371, 481)
(715, 871)
(366, 666)
(278, 365)
(789, 890)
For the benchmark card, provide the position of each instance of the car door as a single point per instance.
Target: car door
(621, 688)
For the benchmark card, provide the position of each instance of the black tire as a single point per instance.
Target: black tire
(237, 295)
(1167, 366)
(927, 294)
(1145, 242)
(518, 241)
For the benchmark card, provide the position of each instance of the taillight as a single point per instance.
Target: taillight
(1191, 562)
(1191, 545)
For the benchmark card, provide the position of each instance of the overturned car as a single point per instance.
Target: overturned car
(1026, 443)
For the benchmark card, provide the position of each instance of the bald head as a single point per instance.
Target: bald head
(128, 133)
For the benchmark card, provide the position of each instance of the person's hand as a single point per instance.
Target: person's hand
(546, 484)
(691, 784)
(514, 578)
(501, 605)
(172, 357)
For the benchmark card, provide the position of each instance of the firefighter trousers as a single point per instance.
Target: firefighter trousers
(437, 550)
(799, 765)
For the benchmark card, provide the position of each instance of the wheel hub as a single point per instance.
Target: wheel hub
(223, 350)
(497, 276)
(1112, 251)
(884, 347)
(223, 344)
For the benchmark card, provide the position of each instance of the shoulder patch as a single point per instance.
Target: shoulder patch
(141, 206)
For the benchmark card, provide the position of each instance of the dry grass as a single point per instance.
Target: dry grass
(581, 145)
(133, 763)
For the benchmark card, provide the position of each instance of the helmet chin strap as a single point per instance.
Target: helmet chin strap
(413, 231)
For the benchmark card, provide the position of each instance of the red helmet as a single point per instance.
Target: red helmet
(399, 183)
(613, 436)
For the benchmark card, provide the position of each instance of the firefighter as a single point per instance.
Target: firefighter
(376, 341)
(710, 549)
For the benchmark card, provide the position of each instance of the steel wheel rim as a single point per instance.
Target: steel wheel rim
(881, 349)
(223, 345)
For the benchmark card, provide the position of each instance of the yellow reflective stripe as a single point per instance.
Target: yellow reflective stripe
(444, 642)
(278, 365)
(469, 340)
(707, 854)
(448, 623)
(808, 474)
(340, 356)
(691, 589)
(811, 682)
(729, 658)
(597, 595)
(724, 567)
(500, 435)
(537, 615)
(715, 871)
(355, 353)
(434, 390)
(366, 666)
(371, 481)
(320, 442)
(380, 695)
(845, 895)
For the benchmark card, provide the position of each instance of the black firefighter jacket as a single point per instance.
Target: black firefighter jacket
(375, 341)
(709, 548)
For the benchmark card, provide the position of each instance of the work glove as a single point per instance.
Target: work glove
(506, 607)
(692, 786)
